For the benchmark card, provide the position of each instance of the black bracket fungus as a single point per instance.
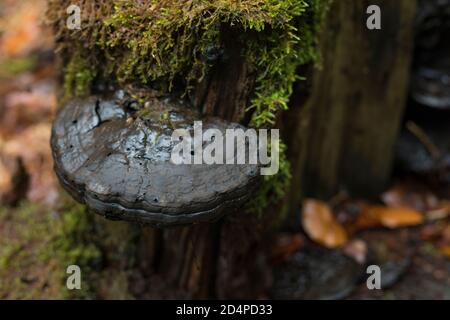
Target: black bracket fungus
(117, 161)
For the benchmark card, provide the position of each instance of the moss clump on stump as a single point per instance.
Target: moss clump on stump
(174, 43)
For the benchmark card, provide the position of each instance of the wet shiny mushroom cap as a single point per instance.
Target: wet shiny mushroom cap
(117, 161)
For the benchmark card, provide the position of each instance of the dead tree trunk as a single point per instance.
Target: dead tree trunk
(345, 130)
(223, 259)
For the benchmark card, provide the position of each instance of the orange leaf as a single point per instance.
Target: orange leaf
(396, 217)
(321, 226)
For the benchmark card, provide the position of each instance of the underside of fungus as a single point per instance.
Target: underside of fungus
(117, 161)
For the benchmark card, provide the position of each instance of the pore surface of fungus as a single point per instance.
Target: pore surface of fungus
(118, 162)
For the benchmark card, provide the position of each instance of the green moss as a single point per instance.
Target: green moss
(274, 187)
(78, 75)
(12, 67)
(38, 247)
(74, 243)
(169, 41)
(277, 55)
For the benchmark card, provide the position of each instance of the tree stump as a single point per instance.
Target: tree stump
(345, 129)
(340, 134)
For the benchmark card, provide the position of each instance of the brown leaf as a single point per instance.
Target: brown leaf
(321, 226)
(396, 217)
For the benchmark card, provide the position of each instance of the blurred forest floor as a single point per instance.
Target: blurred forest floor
(42, 231)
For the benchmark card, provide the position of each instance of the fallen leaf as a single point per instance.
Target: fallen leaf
(321, 226)
(395, 217)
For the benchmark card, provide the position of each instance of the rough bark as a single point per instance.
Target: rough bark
(226, 92)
